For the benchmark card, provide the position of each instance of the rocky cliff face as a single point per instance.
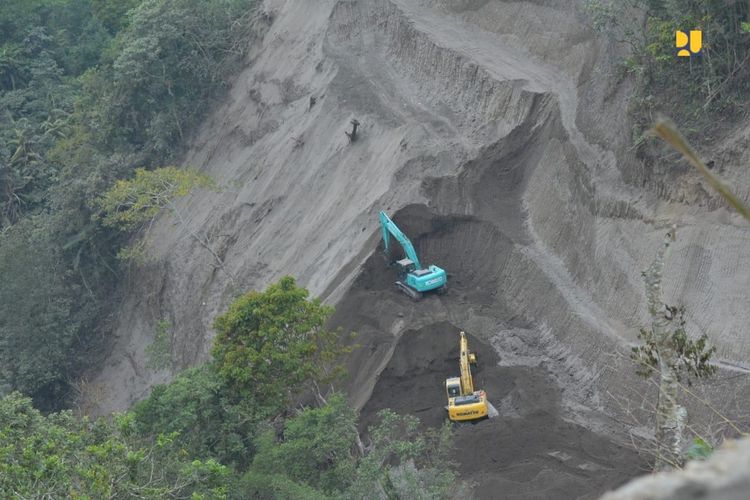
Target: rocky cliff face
(496, 135)
(724, 476)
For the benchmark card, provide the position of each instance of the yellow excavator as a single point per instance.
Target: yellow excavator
(464, 403)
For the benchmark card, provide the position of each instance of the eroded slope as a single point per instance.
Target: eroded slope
(494, 133)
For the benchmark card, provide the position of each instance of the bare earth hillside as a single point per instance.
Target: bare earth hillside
(495, 133)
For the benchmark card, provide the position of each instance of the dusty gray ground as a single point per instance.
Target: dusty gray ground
(495, 133)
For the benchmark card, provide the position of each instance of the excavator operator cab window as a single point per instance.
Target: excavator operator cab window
(453, 391)
(406, 265)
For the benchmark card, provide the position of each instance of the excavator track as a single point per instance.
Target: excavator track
(415, 295)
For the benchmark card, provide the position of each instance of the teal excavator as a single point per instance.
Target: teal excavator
(414, 280)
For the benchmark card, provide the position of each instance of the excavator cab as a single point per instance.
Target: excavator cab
(406, 266)
(453, 387)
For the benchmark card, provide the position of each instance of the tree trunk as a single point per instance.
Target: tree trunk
(670, 416)
(203, 242)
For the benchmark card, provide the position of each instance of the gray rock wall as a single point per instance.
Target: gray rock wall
(724, 476)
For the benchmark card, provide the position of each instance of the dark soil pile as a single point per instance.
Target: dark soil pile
(407, 349)
(527, 452)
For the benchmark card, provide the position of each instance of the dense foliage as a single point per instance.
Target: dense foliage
(33, 337)
(163, 66)
(695, 91)
(134, 204)
(205, 436)
(692, 358)
(314, 456)
(130, 203)
(317, 453)
(209, 423)
(60, 456)
(269, 345)
(90, 90)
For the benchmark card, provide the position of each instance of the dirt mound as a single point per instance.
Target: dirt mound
(529, 451)
(534, 449)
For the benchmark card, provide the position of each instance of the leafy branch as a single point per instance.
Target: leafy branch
(132, 204)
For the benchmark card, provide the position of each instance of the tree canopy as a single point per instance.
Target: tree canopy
(270, 344)
(91, 91)
(60, 456)
(208, 435)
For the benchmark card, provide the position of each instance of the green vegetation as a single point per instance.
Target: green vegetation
(691, 357)
(208, 423)
(133, 204)
(698, 91)
(90, 91)
(211, 435)
(669, 354)
(60, 456)
(162, 67)
(159, 352)
(317, 449)
(270, 345)
(36, 343)
(318, 453)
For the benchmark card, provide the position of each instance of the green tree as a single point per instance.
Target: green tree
(271, 345)
(319, 453)
(214, 414)
(401, 462)
(59, 456)
(135, 203)
(208, 423)
(113, 13)
(37, 320)
(132, 203)
(35, 107)
(169, 59)
(277, 486)
(668, 352)
(68, 93)
(317, 448)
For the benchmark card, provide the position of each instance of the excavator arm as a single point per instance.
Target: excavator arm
(466, 358)
(390, 228)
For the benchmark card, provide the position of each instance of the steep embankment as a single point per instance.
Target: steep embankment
(495, 134)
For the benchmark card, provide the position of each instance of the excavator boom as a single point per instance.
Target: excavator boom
(467, 383)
